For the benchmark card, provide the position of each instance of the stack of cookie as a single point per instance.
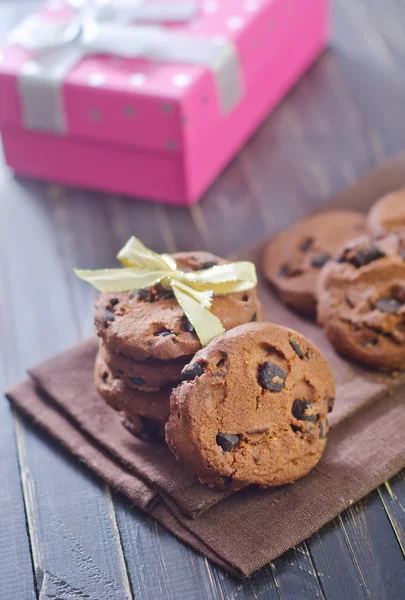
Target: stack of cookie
(361, 301)
(146, 341)
(349, 269)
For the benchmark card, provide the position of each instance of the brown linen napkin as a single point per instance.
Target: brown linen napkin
(244, 531)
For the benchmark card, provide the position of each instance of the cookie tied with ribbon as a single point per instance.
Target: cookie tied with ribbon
(194, 291)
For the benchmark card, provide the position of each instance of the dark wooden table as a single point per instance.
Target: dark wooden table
(63, 534)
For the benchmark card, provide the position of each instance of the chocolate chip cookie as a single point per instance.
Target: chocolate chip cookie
(144, 376)
(388, 214)
(362, 301)
(252, 408)
(151, 324)
(293, 259)
(145, 415)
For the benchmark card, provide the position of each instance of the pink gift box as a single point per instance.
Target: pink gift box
(157, 130)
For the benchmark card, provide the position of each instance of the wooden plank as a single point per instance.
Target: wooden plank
(69, 512)
(16, 570)
(160, 566)
(74, 538)
(392, 495)
(230, 207)
(261, 586)
(291, 576)
(295, 574)
(334, 564)
(374, 548)
(368, 66)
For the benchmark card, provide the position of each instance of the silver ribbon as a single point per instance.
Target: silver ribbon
(105, 26)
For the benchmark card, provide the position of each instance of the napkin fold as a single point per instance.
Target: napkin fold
(240, 531)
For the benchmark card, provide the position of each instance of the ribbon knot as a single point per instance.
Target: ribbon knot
(194, 291)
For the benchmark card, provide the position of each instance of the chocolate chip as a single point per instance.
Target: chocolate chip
(366, 256)
(245, 298)
(321, 430)
(300, 407)
(287, 271)
(108, 317)
(114, 301)
(165, 295)
(208, 264)
(306, 244)
(372, 342)
(296, 429)
(254, 318)
(331, 403)
(272, 377)
(137, 381)
(297, 349)
(398, 292)
(192, 371)
(227, 441)
(389, 305)
(105, 377)
(320, 259)
(142, 295)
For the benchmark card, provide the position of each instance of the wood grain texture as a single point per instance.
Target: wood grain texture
(344, 117)
(16, 569)
(159, 565)
(68, 511)
(392, 495)
(335, 565)
(374, 548)
(295, 574)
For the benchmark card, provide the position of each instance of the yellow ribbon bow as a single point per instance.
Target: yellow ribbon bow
(194, 291)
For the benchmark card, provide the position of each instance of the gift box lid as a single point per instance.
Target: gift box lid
(149, 102)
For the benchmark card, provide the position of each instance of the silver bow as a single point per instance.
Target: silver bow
(106, 27)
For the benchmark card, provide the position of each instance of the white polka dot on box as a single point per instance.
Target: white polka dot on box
(148, 98)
